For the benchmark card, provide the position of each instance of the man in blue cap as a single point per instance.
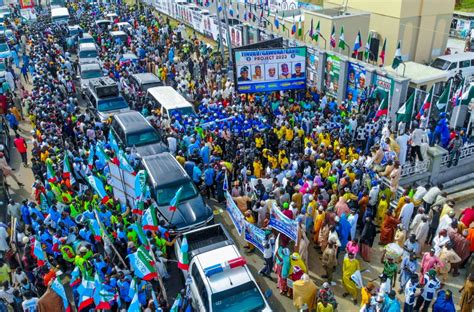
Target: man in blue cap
(298, 73)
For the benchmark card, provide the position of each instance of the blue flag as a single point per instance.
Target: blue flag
(113, 143)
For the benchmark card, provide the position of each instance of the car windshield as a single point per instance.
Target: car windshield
(183, 111)
(73, 31)
(60, 19)
(143, 138)
(89, 74)
(2, 66)
(86, 40)
(243, 298)
(147, 86)
(88, 54)
(440, 64)
(106, 105)
(164, 195)
(3, 47)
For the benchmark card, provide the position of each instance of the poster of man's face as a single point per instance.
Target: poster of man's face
(297, 71)
(271, 72)
(257, 73)
(284, 71)
(244, 74)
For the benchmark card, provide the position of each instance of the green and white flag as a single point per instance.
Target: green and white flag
(367, 48)
(397, 60)
(444, 98)
(342, 42)
(405, 112)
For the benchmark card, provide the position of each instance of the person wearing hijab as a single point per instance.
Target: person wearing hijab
(444, 302)
(282, 269)
(387, 231)
(367, 239)
(350, 266)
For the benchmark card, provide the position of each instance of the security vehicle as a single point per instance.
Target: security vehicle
(221, 279)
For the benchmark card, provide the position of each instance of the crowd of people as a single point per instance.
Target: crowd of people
(300, 151)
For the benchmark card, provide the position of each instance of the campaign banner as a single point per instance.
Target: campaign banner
(270, 69)
(313, 64)
(234, 213)
(356, 84)
(331, 74)
(283, 224)
(254, 235)
(27, 4)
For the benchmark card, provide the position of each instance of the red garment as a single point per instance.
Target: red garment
(387, 232)
(468, 216)
(20, 145)
(3, 104)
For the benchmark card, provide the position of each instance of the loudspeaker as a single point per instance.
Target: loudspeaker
(374, 49)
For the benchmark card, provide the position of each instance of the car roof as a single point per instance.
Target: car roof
(457, 57)
(144, 78)
(118, 33)
(164, 169)
(222, 281)
(74, 27)
(59, 11)
(86, 36)
(87, 46)
(129, 56)
(133, 121)
(103, 21)
(174, 100)
(90, 66)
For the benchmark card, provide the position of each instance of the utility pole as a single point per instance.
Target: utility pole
(229, 43)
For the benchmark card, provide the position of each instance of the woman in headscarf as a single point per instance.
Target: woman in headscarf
(367, 239)
(444, 302)
(350, 266)
(318, 222)
(303, 241)
(282, 269)
(297, 269)
(387, 231)
(400, 235)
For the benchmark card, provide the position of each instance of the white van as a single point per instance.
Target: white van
(169, 101)
(59, 15)
(88, 53)
(455, 62)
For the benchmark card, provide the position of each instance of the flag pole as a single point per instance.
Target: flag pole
(431, 105)
(449, 95)
(413, 106)
(160, 280)
(389, 107)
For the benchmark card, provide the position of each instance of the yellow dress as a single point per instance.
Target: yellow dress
(350, 267)
(381, 212)
(365, 294)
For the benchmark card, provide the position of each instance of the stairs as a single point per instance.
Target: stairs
(460, 189)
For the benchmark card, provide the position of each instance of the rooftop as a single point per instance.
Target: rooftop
(418, 73)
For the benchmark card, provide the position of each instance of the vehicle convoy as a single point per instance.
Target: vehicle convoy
(165, 177)
(104, 99)
(221, 279)
(131, 129)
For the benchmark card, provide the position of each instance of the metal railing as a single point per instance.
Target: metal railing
(418, 167)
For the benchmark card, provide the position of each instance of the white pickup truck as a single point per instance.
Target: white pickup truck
(221, 280)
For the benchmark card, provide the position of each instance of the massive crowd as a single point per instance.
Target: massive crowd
(302, 148)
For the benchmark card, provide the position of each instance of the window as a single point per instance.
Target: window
(245, 298)
(440, 64)
(143, 138)
(88, 54)
(89, 74)
(165, 194)
(200, 286)
(453, 66)
(112, 104)
(464, 64)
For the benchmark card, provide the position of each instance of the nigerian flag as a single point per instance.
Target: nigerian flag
(444, 98)
(405, 112)
(342, 43)
(183, 260)
(397, 60)
(142, 264)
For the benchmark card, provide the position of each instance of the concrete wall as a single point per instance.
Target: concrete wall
(352, 24)
(421, 25)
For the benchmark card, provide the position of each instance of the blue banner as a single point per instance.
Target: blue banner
(283, 224)
(234, 213)
(254, 235)
(270, 69)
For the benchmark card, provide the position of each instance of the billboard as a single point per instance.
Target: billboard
(356, 84)
(331, 75)
(313, 65)
(270, 69)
